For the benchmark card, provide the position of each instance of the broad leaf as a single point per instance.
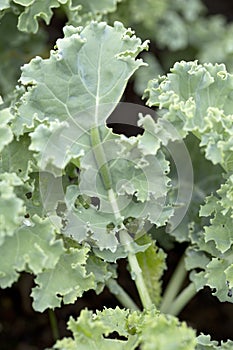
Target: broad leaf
(197, 98)
(148, 329)
(66, 281)
(33, 246)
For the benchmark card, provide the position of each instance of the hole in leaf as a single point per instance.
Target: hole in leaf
(28, 195)
(61, 208)
(95, 201)
(115, 335)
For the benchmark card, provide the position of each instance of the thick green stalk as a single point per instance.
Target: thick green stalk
(136, 271)
(182, 299)
(53, 324)
(100, 158)
(173, 286)
(121, 295)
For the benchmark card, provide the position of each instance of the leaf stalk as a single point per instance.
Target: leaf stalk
(100, 158)
(121, 295)
(136, 271)
(173, 286)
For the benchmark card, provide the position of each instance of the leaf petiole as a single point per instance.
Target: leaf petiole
(53, 324)
(121, 294)
(182, 299)
(136, 271)
(100, 158)
(173, 286)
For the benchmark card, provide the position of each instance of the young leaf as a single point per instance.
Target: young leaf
(148, 329)
(152, 263)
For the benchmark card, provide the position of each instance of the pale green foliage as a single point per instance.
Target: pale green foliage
(143, 75)
(35, 250)
(149, 329)
(197, 98)
(6, 134)
(152, 263)
(77, 11)
(73, 194)
(82, 99)
(55, 285)
(16, 48)
(204, 343)
(11, 207)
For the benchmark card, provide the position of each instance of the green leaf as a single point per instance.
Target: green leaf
(33, 246)
(17, 158)
(4, 4)
(93, 87)
(6, 134)
(72, 116)
(204, 342)
(147, 329)
(166, 332)
(197, 98)
(12, 208)
(220, 229)
(16, 48)
(152, 264)
(87, 10)
(143, 75)
(101, 270)
(28, 20)
(216, 278)
(77, 11)
(147, 183)
(66, 281)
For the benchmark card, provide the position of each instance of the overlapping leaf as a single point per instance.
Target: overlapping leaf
(148, 329)
(91, 75)
(204, 343)
(33, 246)
(12, 208)
(67, 281)
(16, 48)
(77, 11)
(197, 98)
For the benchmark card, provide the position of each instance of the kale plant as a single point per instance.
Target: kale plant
(76, 196)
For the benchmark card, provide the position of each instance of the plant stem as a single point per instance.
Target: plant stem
(182, 299)
(121, 294)
(136, 271)
(101, 162)
(100, 158)
(173, 286)
(53, 324)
